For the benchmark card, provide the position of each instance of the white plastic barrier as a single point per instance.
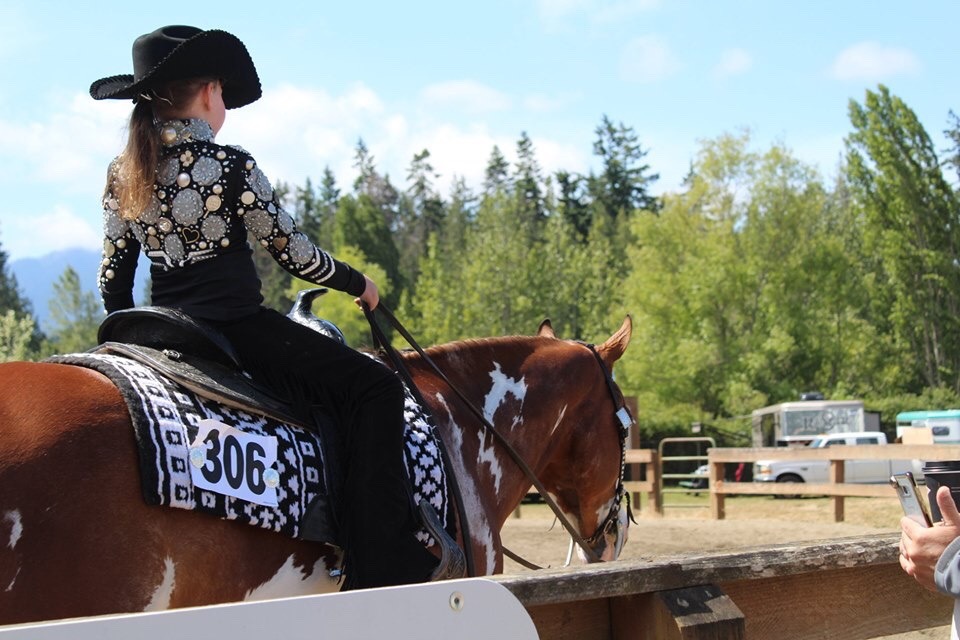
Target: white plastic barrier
(464, 609)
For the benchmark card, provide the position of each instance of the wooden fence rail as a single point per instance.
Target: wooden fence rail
(852, 588)
(650, 485)
(719, 457)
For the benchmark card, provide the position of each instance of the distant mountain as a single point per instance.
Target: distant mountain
(36, 277)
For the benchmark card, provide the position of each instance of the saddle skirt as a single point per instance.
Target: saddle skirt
(200, 454)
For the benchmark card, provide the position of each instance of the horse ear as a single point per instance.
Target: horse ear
(615, 345)
(546, 329)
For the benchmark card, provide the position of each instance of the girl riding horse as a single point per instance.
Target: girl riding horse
(188, 202)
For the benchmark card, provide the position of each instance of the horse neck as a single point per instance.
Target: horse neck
(501, 378)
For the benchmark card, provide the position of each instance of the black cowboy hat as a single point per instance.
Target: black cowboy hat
(179, 53)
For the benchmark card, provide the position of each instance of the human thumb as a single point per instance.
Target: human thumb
(948, 508)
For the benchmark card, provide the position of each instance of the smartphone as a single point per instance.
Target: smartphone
(910, 500)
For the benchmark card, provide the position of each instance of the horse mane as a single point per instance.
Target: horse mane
(458, 347)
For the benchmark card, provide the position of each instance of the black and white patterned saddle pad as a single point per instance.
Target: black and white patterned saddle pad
(167, 419)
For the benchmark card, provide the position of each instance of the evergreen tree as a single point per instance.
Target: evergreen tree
(953, 133)
(307, 211)
(623, 185)
(497, 174)
(573, 205)
(16, 336)
(498, 262)
(11, 298)
(329, 199)
(361, 223)
(434, 307)
(461, 213)
(421, 214)
(527, 181)
(377, 188)
(75, 315)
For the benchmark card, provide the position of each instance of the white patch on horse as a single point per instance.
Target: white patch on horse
(556, 424)
(16, 527)
(480, 530)
(14, 581)
(604, 509)
(502, 385)
(291, 580)
(164, 592)
(16, 532)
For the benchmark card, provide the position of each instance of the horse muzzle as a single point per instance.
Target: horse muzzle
(609, 543)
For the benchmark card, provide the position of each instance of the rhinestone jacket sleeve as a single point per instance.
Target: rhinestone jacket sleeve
(276, 231)
(119, 262)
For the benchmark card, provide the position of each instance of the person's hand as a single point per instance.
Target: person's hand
(370, 295)
(921, 547)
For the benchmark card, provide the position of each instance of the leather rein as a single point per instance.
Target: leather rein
(611, 521)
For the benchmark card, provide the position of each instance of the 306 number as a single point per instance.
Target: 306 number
(236, 464)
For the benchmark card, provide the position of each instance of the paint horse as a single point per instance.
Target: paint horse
(77, 538)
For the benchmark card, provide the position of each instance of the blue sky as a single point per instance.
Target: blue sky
(458, 78)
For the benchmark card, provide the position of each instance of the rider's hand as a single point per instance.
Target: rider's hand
(370, 295)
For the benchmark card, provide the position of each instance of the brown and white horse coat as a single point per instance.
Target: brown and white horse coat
(77, 539)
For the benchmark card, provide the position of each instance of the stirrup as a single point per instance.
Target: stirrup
(452, 565)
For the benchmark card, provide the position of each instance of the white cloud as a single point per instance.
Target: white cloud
(60, 228)
(293, 132)
(553, 156)
(70, 148)
(465, 151)
(647, 59)
(52, 169)
(733, 62)
(465, 95)
(872, 61)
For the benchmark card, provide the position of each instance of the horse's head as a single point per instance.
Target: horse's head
(589, 484)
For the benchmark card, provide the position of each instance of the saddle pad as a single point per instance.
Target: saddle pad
(165, 419)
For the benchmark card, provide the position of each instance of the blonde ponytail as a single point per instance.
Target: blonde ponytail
(135, 170)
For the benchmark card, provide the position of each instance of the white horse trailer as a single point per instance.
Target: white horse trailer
(944, 426)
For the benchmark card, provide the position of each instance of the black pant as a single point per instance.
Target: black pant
(366, 400)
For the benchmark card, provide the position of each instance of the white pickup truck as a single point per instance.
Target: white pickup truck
(818, 471)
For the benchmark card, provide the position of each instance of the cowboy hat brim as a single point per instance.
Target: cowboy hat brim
(213, 53)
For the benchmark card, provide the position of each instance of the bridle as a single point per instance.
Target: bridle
(610, 522)
(625, 419)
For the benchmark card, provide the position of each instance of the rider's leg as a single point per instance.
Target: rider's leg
(366, 398)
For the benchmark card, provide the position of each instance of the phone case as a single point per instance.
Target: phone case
(910, 500)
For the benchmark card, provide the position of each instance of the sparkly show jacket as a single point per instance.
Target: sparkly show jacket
(206, 198)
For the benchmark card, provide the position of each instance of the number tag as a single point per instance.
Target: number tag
(228, 461)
